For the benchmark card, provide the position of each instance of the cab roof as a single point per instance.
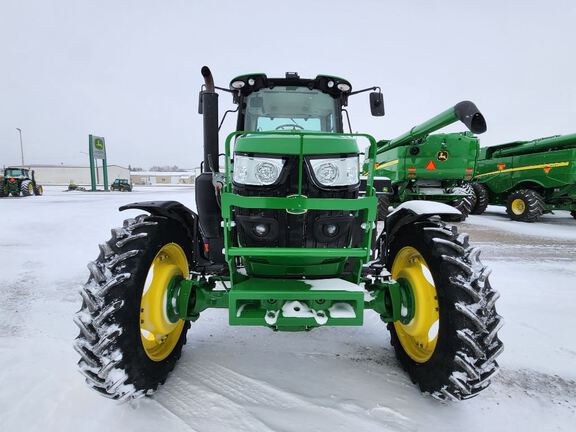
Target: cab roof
(249, 83)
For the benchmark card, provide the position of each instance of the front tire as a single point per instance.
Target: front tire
(127, 346)
(450, 345)
(525, 205)
(482, 199)
(573, 214)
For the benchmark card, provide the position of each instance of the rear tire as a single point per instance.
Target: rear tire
(573, 214)
(525, 205)
(27, 188)
(482, 201)
(38, 190)
(459, 361)
(466, 204)
(114, 359)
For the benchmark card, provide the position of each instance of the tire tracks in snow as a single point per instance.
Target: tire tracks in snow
(537, 385)
(205, 394)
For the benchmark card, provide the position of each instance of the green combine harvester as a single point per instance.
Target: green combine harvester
(283, 239)
(436, 167)
(529, 177)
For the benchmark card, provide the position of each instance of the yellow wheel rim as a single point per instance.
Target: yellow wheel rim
(159, 335)
(30, 189)
(419, 336)
(518, 206)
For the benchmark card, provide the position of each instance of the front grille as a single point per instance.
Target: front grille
(294, 230)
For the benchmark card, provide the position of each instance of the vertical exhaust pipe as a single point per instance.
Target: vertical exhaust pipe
(209, 104)
(207, 206)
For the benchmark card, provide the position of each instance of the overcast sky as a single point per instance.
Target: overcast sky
(130, 70)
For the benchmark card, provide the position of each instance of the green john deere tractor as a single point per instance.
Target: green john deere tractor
(282, 239)
(435, 167)
(19, 182)
(529, 177)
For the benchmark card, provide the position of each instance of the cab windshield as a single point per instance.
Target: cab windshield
(290, 108)
(14, 172)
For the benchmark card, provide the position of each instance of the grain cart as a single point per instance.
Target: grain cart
(431, 167)
(20, 181)
(282, 239)
(529, 177)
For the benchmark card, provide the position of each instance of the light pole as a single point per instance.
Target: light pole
(21, 147)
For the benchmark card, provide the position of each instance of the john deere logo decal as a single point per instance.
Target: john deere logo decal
(442, 155)
(98, 147)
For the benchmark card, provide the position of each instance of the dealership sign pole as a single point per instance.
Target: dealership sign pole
(97, 150)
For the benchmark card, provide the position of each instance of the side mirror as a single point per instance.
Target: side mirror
(377, 104)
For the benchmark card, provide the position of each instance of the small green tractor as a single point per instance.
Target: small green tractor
(19, 182)
(529, 177)
(430, 167)
(122, 185)
(283, 239)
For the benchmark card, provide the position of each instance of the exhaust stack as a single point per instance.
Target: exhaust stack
(209, 104)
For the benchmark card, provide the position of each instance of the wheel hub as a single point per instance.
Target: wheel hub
(518, 206)
(160, 333)
(419, 336)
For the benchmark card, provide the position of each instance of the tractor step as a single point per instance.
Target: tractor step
(295, 304)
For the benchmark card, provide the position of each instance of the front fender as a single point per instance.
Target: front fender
(179, 213)
(413, 211)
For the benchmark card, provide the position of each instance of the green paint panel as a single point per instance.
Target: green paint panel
(290, 145)
(440, 157)
(252, 299)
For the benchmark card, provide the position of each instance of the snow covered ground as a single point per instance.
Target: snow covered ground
(251, 379)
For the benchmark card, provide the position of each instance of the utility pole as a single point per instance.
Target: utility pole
(21, 147)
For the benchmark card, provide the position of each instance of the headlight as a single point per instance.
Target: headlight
(256, 171)
(336, 172)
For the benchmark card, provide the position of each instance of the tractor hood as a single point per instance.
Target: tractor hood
(290, 144)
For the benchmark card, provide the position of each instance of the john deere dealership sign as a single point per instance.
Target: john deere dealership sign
(98, 147)
(97, 150)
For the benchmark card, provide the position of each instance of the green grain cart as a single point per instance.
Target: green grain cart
(432, 167)
(282, 239)
(529, 177)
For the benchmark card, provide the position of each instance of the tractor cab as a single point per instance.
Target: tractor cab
(290, 103)
(16, 173)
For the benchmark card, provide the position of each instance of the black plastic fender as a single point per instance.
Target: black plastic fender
(184, 216)
(412, 211)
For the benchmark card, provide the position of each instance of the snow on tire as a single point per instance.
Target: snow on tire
(26, 188)
(112, 356)
(467, 203)
(463, 360)
(482, 198)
